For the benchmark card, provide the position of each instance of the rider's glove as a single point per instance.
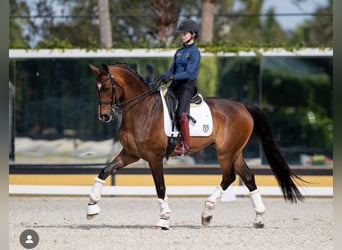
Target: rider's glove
(163, 79)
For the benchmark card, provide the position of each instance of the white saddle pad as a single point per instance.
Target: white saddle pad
(200, 112)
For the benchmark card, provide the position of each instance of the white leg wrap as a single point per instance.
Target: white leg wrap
(165, 214)
(258, 205)
(95, 193)
(216, 195)
(208, 209)
(210, 203)
(165, 211)
(163, 224)
(93, 209)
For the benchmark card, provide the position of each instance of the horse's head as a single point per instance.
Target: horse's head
(108, 91)
(119, 88)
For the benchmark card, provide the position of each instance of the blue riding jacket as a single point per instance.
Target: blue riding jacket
(185, 63)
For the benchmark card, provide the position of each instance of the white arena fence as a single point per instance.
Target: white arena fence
(230, 194)
(148, 53)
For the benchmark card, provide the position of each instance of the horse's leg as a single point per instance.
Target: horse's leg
(228, 177)
(247, 177)
(158, 178)
(120, 161)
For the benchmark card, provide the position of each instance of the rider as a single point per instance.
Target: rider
(183, 73)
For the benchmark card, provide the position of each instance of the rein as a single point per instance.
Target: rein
(119, 108)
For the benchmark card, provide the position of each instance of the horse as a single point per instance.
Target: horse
(122, 90)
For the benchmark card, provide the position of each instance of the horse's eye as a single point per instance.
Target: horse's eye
(105, 87)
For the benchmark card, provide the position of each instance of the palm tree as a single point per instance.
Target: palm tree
(165, 14)
(105, 24)
(207, 27)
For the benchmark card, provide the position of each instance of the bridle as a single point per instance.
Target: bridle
(120, 107)
(112, 80)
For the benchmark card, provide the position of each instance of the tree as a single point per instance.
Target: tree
(207, 26)
(165, 15)
(105, 24)
(78, 23)
(71, 32)
(17, 24)
(271, 30)
(318, 30)
(245, 26)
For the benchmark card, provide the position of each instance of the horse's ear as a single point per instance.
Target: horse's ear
(93, 68)
(105, 67)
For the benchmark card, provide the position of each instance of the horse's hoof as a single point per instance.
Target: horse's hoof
(91, 216)
(258, 224)
(206, 220)
(163, 224)
(161, 228)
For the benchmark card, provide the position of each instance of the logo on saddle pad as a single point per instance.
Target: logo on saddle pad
(202, 125)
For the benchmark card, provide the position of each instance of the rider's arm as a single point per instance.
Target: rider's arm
(191, 67)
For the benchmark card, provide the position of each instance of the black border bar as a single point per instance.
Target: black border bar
(173, 169)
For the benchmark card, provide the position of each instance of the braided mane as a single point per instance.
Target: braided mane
(127, 66)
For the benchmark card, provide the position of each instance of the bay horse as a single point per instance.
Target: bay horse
(122, 89)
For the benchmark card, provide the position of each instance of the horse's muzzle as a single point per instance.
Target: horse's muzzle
(106, 118)
(105, 115)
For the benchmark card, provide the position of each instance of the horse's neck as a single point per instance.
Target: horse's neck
(130, 83)
(133, 90)
(144, 113)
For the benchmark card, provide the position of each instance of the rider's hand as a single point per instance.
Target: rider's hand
(163, 79)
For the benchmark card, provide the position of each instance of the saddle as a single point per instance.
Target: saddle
(172, 104)
(198, 110)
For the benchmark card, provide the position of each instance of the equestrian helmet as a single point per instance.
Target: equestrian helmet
(188, 26)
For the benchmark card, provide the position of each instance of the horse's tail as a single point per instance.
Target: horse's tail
(285, 176)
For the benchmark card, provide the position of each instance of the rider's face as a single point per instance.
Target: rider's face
(185, 36)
